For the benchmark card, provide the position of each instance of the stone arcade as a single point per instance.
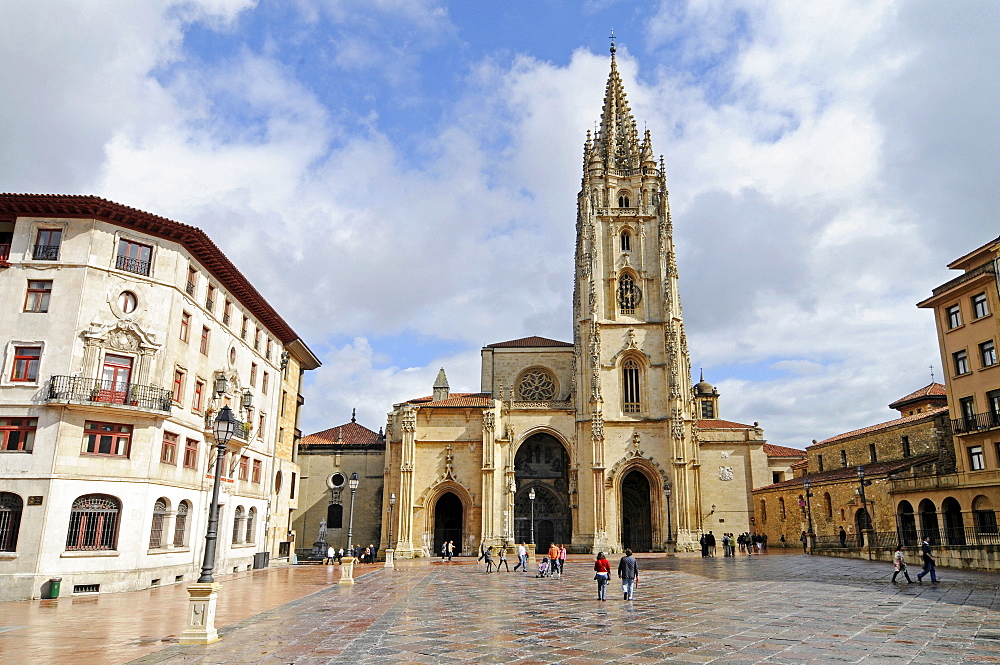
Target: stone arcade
(607, 432)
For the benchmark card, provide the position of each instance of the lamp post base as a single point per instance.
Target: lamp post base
(388, 559)
(670, 549)
(202, 599)
(347, 570)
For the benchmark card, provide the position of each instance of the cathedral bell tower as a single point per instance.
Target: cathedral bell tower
(633, 377)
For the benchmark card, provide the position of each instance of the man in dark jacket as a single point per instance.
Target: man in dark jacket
(628, 571)
(929, 567)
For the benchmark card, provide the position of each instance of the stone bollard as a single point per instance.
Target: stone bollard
(347, 570)
(202, 598)
(388, 559)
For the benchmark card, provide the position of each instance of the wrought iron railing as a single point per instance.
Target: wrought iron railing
(132, 265)
(189, 287)
(113, 393)
(45, 252)
(975, 423)
(242, 430)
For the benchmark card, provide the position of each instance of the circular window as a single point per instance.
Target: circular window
(127, 301)
(336, 481)
(232, 356)
(536, 385)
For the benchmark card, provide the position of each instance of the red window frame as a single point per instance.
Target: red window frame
(178, 385)
(199, 392)
(36, 299)
(26, 362)
(227, 312)
(185, 326)
(17, 434)
(243, 329)
(191, 454)
(263, 383)
(168, 453)
(267, 347)
(255, 473)
(261, 422)
(210, 299)
(134, 257)
(192, 281)
(106, 439)
(256, 340)
(253, 375)
(205, 333)
(244, 467)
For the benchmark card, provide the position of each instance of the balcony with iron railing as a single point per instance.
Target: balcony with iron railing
(242, 430)
(976, 423)
(45, 252)
(132, 265)
(97, 394)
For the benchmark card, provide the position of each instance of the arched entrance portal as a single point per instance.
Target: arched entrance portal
(637, 525)
(447, 521)
(542, 464)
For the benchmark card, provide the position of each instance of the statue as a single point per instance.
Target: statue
(321, 538)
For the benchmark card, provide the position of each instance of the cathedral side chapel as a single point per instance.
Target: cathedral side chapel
(602, 443)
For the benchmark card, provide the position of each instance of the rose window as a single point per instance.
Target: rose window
(536, 385)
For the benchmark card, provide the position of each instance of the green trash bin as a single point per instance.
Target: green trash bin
(54, 585)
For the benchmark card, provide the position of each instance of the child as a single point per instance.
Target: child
(899, 564)
(543, 567)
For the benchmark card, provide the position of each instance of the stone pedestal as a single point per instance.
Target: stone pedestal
(347, 570)
(388, 559)
(202, 597)
(811, 541)
(670, 549)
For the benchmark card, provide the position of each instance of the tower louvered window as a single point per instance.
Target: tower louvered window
(631, 398)
(629, 294)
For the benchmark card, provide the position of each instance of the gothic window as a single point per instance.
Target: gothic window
(238, 523)
(623, 199)
(629, 294)
(156, 532)
(536, 385)
(251, 519)
(626, 241)
(180, 524)
(631, 399)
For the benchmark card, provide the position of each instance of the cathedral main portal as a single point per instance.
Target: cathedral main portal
(542, 465)
(448, 522)
(637, 526)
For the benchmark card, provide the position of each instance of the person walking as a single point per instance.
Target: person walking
(899, 565)
(451, 549)
(488, 557)
(703, 541)
(340, 555)
(331, 555)
(804, 539)
(554, 559)
(602, 575)
(929, 567)
(628, 571)
(502, 558)
(482, 551)
(522, 558)
(843, 537)
(444, 550)
(562, 560)
(711, 544)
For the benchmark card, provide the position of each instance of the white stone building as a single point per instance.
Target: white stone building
(121, 335)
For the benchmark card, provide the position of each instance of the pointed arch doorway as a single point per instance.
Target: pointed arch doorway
(448, 514)
(542, 464)
(637, 522)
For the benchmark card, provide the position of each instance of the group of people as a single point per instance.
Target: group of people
(748, 543)
(448, 550)
(628, 573)
(361, 554)
(930, 567)
(552, 564)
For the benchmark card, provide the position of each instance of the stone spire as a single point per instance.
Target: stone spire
(441, 388)
(617, 141)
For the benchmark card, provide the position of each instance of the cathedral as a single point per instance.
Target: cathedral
(601, 443)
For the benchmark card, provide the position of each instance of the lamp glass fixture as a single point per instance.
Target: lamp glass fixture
(531, 494)
(392, 499)
(224, 426)
(220, 384)
(354, 481)
(246, 399)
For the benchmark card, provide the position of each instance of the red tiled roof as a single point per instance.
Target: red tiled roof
(931, 391)
(715, 423)
(772, 450)
(350, 434)
(881, 426)
(851, 472)
(800, 465)
(456, 399)
(193, 239)
(527, 342)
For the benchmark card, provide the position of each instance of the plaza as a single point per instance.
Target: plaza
(783, 607)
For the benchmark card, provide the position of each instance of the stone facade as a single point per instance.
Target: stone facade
(122, 335)
(603, 431)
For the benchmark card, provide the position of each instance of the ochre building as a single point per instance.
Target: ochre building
(600, 443)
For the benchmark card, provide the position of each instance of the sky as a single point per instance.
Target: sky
(399, 177)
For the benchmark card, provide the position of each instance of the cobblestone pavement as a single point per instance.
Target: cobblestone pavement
(779, 608)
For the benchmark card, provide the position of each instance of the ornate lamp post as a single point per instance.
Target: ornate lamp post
(204, 594)
(862, 483)
(670, 526)
(353, 483)
(810, 535)
(390, 550)
(531, 496)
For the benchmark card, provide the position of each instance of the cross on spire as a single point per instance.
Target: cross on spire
(612, 38)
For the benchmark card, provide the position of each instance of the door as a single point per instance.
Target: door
(115, 379)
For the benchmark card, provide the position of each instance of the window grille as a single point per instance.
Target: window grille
(11, 506)
(251, 518)
(630, 387)
(93, 523)
(86, 588)
(536, 385)
(156, 532)
(180, 524)
(629, 294)
(238, 520)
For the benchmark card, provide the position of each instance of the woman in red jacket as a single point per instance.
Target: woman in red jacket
(602, 576)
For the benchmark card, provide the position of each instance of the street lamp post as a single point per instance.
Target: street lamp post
(390, 550)
(809, 513)
(531, 496)
(204, 594)
(353, 483)
(670, 527)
